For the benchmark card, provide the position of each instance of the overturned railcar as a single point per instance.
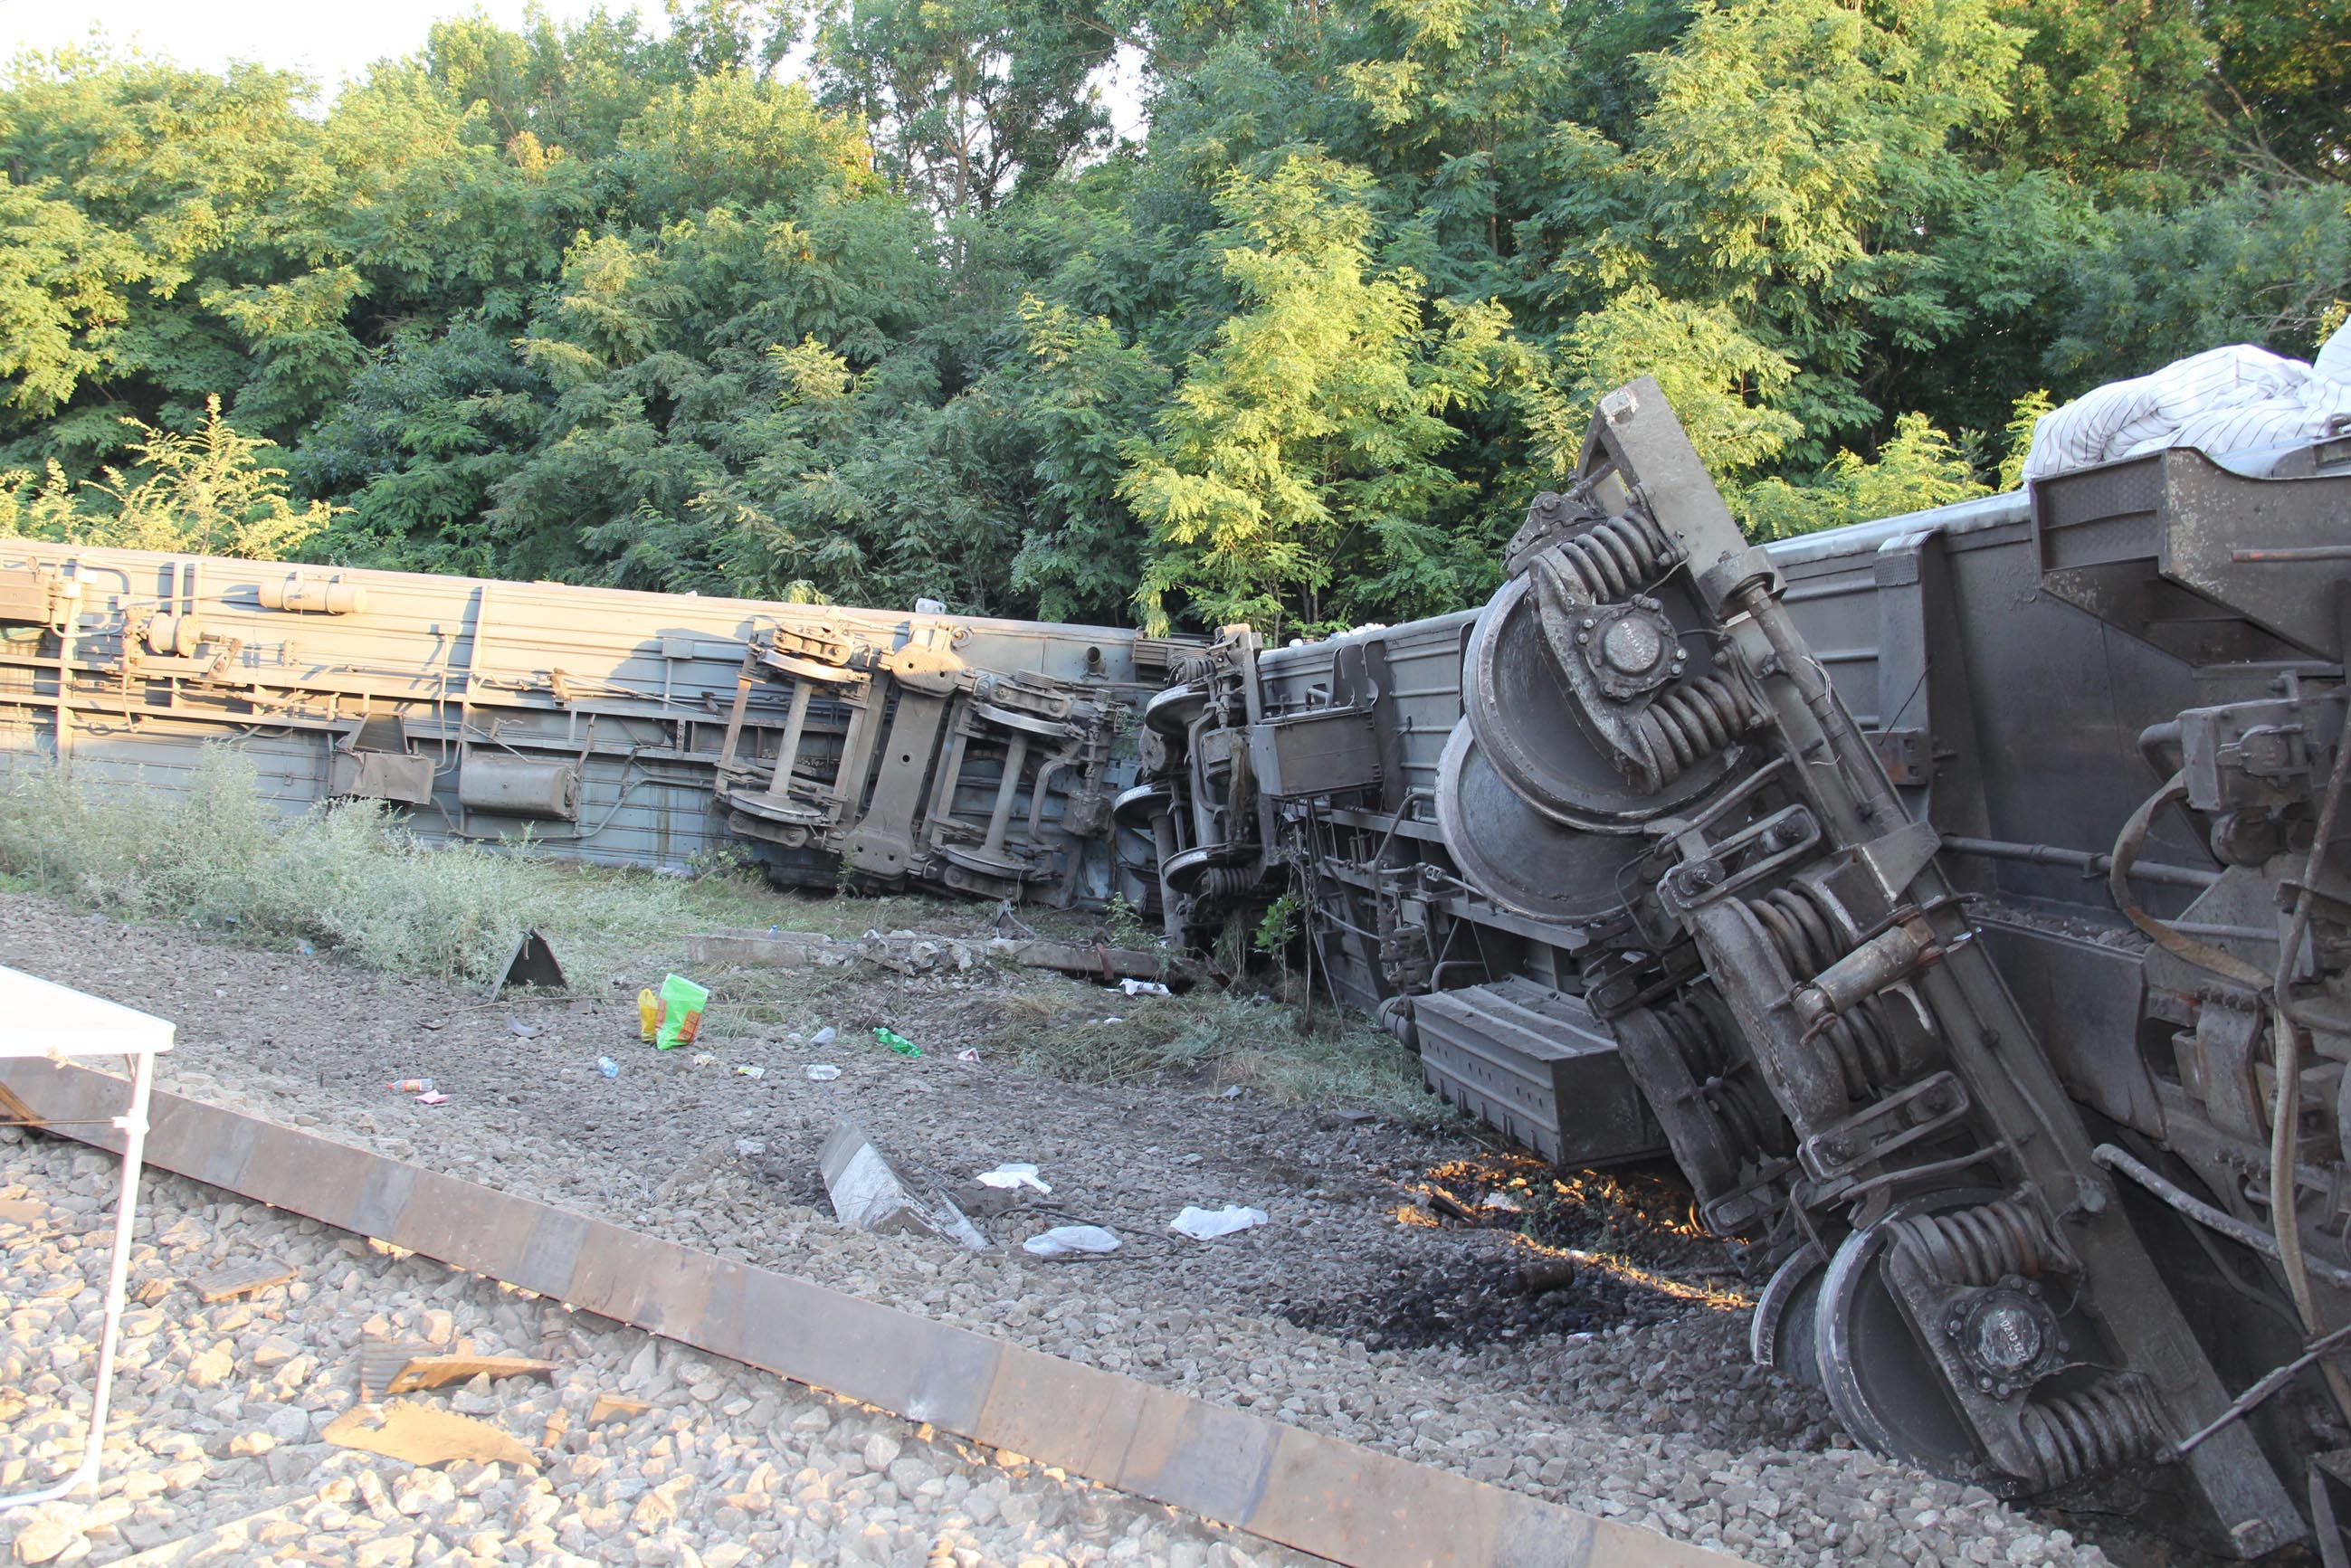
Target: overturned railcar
(832, 744)
(1960, 900)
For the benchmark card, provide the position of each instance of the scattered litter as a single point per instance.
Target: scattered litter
(240, 1279)
(1354, 1116)
(382, 1359)
(411, 1086)
(309, 951)
(1009, 1174)
(1445, 1202)
(1234, 1092)
(533, 964)
(432, 1024)
(648, 1014)
(681, 1004)
(1206, 1225)
(1503, 1201)
(968, 1053)
(432, 1097)
(750, 1070)
(896, 1041)
(824, 1036)
(747, 1147)
(1134, 987)
(1071, 1241)
(438, 1370)
(703, 1059)
(869, 1195)
(421, 1434)
(1546, 1274)
(608, 1066)
(822, 1072)
(615, 1407)
(522, 1031)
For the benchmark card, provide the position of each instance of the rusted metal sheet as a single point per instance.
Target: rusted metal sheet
(1299, 1489)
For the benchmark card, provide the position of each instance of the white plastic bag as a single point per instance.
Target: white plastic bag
(1071, 1241)
(1206, 1224)
(1011, 1174)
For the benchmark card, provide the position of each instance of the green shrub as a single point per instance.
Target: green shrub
(344, 875)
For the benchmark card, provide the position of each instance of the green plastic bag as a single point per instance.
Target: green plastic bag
(681, 1012)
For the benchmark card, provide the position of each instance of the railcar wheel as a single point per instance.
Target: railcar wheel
(1881, 1382)
(1514, 854)
(1529, 723)
(1171, 712)
(1781, 1335)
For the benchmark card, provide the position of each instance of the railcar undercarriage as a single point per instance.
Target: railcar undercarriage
(1999, 1111)
(1961, 900)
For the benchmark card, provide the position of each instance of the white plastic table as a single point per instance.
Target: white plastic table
(41, 1019)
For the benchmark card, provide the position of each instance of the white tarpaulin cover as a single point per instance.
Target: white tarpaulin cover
(2235, 398)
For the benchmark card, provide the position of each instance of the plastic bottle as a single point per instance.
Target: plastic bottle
(608, 1066)
(649, 1015)
(896, 1041)
(412, 1086)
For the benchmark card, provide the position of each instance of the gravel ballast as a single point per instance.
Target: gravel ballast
(1615, 1397)
(217, 1454)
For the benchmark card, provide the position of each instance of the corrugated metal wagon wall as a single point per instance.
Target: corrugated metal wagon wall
(621, 727)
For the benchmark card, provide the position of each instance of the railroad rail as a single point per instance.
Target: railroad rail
(1291, 1487)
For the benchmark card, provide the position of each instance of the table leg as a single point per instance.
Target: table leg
(133, 1126)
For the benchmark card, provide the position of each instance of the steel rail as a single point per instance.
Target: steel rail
(1297, 1489)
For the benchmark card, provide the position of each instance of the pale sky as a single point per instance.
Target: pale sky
(331, 40)
(334, 41)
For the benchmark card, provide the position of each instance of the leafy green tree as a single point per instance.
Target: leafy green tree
(1311, 429)
(1080, 396)
(1919, 469)
(64, 281)
(2285, 73)
(613, 301)
(967, 98)
(210, 493)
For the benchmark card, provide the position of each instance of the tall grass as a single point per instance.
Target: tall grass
(349, 877)
(344, 876)
(1214, 1037)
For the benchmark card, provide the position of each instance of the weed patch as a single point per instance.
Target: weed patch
(347, 877)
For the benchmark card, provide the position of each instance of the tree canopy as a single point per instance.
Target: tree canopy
(868, 299)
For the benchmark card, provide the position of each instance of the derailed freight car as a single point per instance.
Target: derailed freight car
(832, 744)
(1950, 896)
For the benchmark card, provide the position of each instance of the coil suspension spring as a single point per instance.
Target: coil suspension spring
(1607, 561)
(1982, 1245)
(2089, 1432)
(1802, 926)
(1223, 882)
(1743, 1107)
(1690, 724)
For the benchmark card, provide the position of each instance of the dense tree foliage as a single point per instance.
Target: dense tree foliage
(626, 302)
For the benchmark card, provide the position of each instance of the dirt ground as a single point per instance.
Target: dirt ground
(1356, 1310)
